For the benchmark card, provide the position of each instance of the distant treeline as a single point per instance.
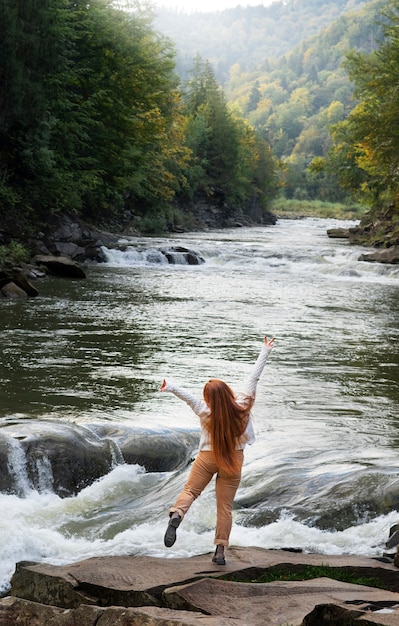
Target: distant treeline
(94, 122)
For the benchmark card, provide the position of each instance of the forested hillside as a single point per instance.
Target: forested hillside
(93, 122)
(247, 35)
(287, 82)
(318, 81)
(294, 100)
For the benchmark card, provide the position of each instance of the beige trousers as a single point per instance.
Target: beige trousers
(202, 471)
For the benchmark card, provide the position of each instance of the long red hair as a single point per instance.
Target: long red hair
(226, 423)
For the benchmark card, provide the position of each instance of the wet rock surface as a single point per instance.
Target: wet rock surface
(74, 456)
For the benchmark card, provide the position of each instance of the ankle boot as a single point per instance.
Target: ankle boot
(170, 535)
(218, 557)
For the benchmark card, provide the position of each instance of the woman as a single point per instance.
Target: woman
(226, 427)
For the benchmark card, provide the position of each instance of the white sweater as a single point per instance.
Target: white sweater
(200, 408)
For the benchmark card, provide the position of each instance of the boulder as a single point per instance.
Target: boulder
(14, 284)
(181, 255)
(60, 266)
(156, 450)
(46, 455)
(332, 615)
(21, 280)
(387, 255)
(65, 458)
(11, 290)
(338, 233)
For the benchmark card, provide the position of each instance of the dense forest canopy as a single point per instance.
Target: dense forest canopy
(93, 121)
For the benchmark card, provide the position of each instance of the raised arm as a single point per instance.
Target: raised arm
(264, 354)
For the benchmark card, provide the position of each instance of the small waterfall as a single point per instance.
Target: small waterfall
(116, 454)
(27, 475)
(43, 473)
(17, 466)
(130, 256)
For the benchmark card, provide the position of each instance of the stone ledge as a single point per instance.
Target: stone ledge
(135, 590)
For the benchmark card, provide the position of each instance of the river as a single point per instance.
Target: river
(323, 474)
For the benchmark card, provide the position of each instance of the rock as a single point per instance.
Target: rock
(68, 237)
(22, 282)
(156, 450)
(60, 266)
(15, 611)
(393, 540)
(165, 591)
(13, 291)
(180, 255)
(332, 615)
(388, 255)
(14, 284)
(338, 233)
(65, 458)
(69, 249)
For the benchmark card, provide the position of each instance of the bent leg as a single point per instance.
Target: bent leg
(200, 475)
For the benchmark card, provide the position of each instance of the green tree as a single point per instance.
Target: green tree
(118, 105)
(230, 165)
(367, 142)
(90, 113)
(33, 40)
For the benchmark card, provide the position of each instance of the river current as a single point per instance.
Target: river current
(323, 474)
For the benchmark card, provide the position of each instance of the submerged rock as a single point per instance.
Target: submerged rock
(65, 458)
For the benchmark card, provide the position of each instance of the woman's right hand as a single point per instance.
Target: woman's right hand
(269, 343)
(163, 386)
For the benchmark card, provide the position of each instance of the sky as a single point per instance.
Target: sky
(209, 5)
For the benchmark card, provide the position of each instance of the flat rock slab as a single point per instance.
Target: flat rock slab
(193, 584)
(285, 602)
(15, 611)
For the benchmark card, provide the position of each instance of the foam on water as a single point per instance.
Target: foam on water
(45, 528)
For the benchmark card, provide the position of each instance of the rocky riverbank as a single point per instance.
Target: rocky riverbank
(64, 246)
(137, 590)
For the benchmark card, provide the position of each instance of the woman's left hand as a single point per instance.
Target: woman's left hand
(269, 343)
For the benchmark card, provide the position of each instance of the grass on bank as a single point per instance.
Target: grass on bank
(309, 572)
(281, 207)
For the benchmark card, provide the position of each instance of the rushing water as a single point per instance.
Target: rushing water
(323, 473)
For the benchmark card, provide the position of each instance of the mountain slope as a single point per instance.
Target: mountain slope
(247, 36)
